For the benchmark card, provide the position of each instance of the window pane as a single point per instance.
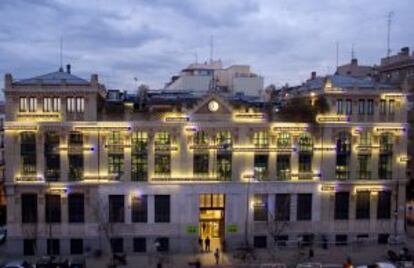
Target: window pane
(162, 208)
(304, 210)
(341, 205)
(363, 205)
(139, 208)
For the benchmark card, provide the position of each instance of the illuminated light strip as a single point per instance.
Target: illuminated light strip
(249, 116)
(328, 188)
(31, 179)
(367, 147)
(190, 129)
(390, 129)
(108, 128)
(332, 119)
(21, 128)
(58, 190)
(289, 129)
(369, 188)
(248, 176)
(164, 148)
(330, 148)
(259, 149)
(404, 158)
(208, 147)
(392, 95)
(94, 178)
(185, 179)
(42, 116)
(116, 146)
(76, 149)
(176, 119)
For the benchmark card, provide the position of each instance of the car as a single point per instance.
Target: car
(378, 265)
(18, 264)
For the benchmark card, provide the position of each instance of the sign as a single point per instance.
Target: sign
(232, 228)
(192, 229)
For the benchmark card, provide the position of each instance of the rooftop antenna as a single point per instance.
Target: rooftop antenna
(352, 52)
(389, 22)
(196, 57)
(60, 54)
(337, 54)
(211, 48)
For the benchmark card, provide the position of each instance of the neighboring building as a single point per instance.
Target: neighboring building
(355, 70)
(396, 68)
(212, 76)
(88, 168)
(3, 211)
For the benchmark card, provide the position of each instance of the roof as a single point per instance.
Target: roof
(53, 79)
(344, 81)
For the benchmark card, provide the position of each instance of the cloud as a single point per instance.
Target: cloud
(153, 39)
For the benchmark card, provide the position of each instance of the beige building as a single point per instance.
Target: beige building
(158, 171)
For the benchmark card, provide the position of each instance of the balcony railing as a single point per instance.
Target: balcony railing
(283, 175)
(364, 175)
(342, 175)
(185, 179)
(385, 175)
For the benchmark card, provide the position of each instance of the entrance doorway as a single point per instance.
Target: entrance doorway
(211, 220)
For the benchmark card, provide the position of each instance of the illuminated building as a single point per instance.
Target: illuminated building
(87, 167)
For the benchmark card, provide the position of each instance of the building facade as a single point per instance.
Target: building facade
(156, 172)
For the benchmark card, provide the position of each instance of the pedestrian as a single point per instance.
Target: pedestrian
(200, 243)
(311, 253)
(207, 242)
(217, 255)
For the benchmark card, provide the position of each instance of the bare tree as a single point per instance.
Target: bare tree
(279, 221)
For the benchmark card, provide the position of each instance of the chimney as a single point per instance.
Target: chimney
(94, 79)
(68, 68)
(313, 75)
(405, 51)
(8, 81)
(354, 61)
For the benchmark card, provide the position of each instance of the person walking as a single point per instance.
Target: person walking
(217, 256)
(311, 253)
(200, 243)
(207, 242)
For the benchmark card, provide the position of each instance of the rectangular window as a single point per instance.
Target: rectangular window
(282, 207)
(139, 142)
(75, 138)
(383, 238)
(162, 208)
(363, 205)
(23, 107)
(52, 208)
(341, 205)
(53, 247)
(370, 106)
(283, 167)
(70, 105)
(75, 167)
(116, 208)
(29, 208)
(304, 209)
(391, 107)
(383, 107)
(341, 240)
(224, 166)
(163, 244)
(305, 163)
(139, 166)
(200, 164)
(361, 107)
(260, 241)
(364, 167)
(116, 164)
(261, 139)
(80, 104)
(76, 246)
(28, 153)
(384, 205)
(260, 207)
(32, 104)
(139, 208)
(117, 245)
(140, 244)
(162, 138)
(29, 247)
(162, 164)
(56, 104)
(348, 107)
(339, 108)
(385, 167)
(75, 104)
(47, 104)
(260, 166)
(76, 208)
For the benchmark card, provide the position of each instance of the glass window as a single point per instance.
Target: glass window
(361, 107)
(363, 205)
(32, 104)
(28, 153)
(114, 138)
(70, 105)
(117, 245)
(260, 207)
(162, 164)
(29, 208)
(29, 247)
(139, 141)
(53, 247)
(348, 108)
(52, 208)
(162, 208)
(76, 207)
(75, 138)
(162, 138)
(224, 166)
(75, 167)
(282, 207)
(339, 107)
(201, 138)
(139, 208)
(305, 163)
(283, 167)
(341, 205)
(51, 104)
(76, 246)
(261, 139)
(385, 167)
(140, 244)
(116, 208)
(391, 107)
(115, 164)
(365, 139)
(284, 140)
(224, 139)
(305, 143)
(370, 106)
(52, 156)
(384, 205)
(163, 244)
(139, 166)
(200, 163)
(23, 106)
(80, 104)
(364, 166)
(383, 107)
(304, 209)
(386, 143)
(261, 166)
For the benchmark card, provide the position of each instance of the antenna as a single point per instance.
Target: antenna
(211, 48)
(337, 54)
(352, 52)
(196, 57)
(389, 21)
(60, 53)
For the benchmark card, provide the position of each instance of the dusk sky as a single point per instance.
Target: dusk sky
(153, 39)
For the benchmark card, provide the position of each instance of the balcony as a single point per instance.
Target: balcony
(308, 175)
(364, 175)
(342, 175)
(385, 175)
(283, 175)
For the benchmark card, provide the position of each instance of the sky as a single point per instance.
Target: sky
(284, 41)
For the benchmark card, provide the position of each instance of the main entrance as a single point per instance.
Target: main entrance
(211, 220)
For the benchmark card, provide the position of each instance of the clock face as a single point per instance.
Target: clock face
(213, 106)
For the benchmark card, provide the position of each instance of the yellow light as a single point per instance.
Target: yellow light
(392, 95)
(327, 188)
(19, 128)
(38, 117)
(176, 118)
(29, 179)
(395, 130)
(332, 119)
(368, 188)
(404, 159)
(249, 117)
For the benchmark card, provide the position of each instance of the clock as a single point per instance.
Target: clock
(213, 106)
